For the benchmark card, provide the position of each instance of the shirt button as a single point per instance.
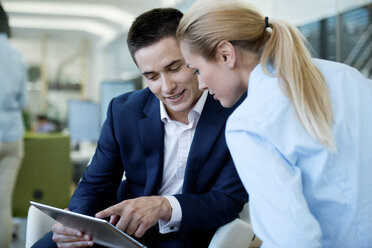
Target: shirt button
(172, 227)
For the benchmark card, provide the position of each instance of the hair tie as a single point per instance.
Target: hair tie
(267, 22)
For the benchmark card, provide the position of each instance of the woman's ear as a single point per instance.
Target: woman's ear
(226, 54)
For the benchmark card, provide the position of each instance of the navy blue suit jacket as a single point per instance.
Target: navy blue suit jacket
(132, 141)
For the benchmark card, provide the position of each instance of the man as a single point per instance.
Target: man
(168, 139)
(13, 79)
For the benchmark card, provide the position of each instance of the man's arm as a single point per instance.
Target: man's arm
(220, 205)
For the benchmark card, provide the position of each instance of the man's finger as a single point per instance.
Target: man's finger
(113, 210)
(140, 231)
(123, 223)
(64, 230)
(132, 226)
(60, 238)
(114, 219)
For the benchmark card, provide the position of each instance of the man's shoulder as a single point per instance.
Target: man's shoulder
(134, 99)
(134, 96)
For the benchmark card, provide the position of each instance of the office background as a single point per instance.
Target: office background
(74, 47)
(78, 60)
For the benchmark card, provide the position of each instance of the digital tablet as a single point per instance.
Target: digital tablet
(101, 231)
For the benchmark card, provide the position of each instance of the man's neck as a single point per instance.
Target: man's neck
(180, 116)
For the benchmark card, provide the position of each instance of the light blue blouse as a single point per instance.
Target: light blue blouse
(301, 194)
(13, 78)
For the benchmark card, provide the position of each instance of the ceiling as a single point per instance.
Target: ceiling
(106, 20)
(62, 26)
(102, 20)
(65, 23)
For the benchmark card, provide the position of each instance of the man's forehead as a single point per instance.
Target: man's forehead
(159, 55)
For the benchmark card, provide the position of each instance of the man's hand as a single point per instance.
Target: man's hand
(68, 237)
(136, 216)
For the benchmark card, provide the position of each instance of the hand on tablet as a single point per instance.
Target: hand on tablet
(68, 237)
(136, 216)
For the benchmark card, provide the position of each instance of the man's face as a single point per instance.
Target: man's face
(168, 78)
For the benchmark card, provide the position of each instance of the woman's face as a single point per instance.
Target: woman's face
(222, 82)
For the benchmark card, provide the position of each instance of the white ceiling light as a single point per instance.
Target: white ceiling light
(168, 3)
(106, 33)
(103, 11)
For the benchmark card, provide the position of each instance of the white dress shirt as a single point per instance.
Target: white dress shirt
(178, 137)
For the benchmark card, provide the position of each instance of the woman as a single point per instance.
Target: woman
(301, 141)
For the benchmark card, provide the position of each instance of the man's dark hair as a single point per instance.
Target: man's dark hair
(4, 24)
(152, 26)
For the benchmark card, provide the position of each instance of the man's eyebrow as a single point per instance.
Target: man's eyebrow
(148, 73)
(167, 66)
(172, 63)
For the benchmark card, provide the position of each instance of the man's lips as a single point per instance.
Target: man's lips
(174, 97)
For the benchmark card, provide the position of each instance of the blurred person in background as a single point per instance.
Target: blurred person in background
(13, 78)
(43, 125)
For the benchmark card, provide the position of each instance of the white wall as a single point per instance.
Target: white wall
(300, 12)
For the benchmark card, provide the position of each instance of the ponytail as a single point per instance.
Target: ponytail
(303, 83)
(208, 22)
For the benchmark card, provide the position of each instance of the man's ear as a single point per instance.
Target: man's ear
(226, 54)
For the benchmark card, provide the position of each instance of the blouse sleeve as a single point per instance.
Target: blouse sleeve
(278, 208)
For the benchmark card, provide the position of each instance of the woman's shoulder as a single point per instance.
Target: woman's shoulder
(268, 113)
(265, 100)
(335, 71)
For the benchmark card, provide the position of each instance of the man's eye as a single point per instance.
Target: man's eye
(152, 77)
(176, 68)
(195, 71)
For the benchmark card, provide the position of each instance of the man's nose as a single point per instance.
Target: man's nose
(167, 83)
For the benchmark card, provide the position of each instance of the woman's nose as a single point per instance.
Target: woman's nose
(202, 84)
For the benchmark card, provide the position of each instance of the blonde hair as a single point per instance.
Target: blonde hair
(208, 22)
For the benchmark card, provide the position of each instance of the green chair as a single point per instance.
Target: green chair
(45, 175)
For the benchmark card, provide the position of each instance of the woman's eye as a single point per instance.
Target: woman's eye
(195, 71)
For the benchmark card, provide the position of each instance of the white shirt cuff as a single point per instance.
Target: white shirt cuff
(173, 225)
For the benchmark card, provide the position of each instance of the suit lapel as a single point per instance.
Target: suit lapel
(211, 123)
(153, 145)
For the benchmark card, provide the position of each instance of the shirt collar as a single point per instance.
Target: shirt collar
(197, 109)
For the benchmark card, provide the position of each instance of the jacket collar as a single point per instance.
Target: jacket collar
(153, 144)
(210, 125)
